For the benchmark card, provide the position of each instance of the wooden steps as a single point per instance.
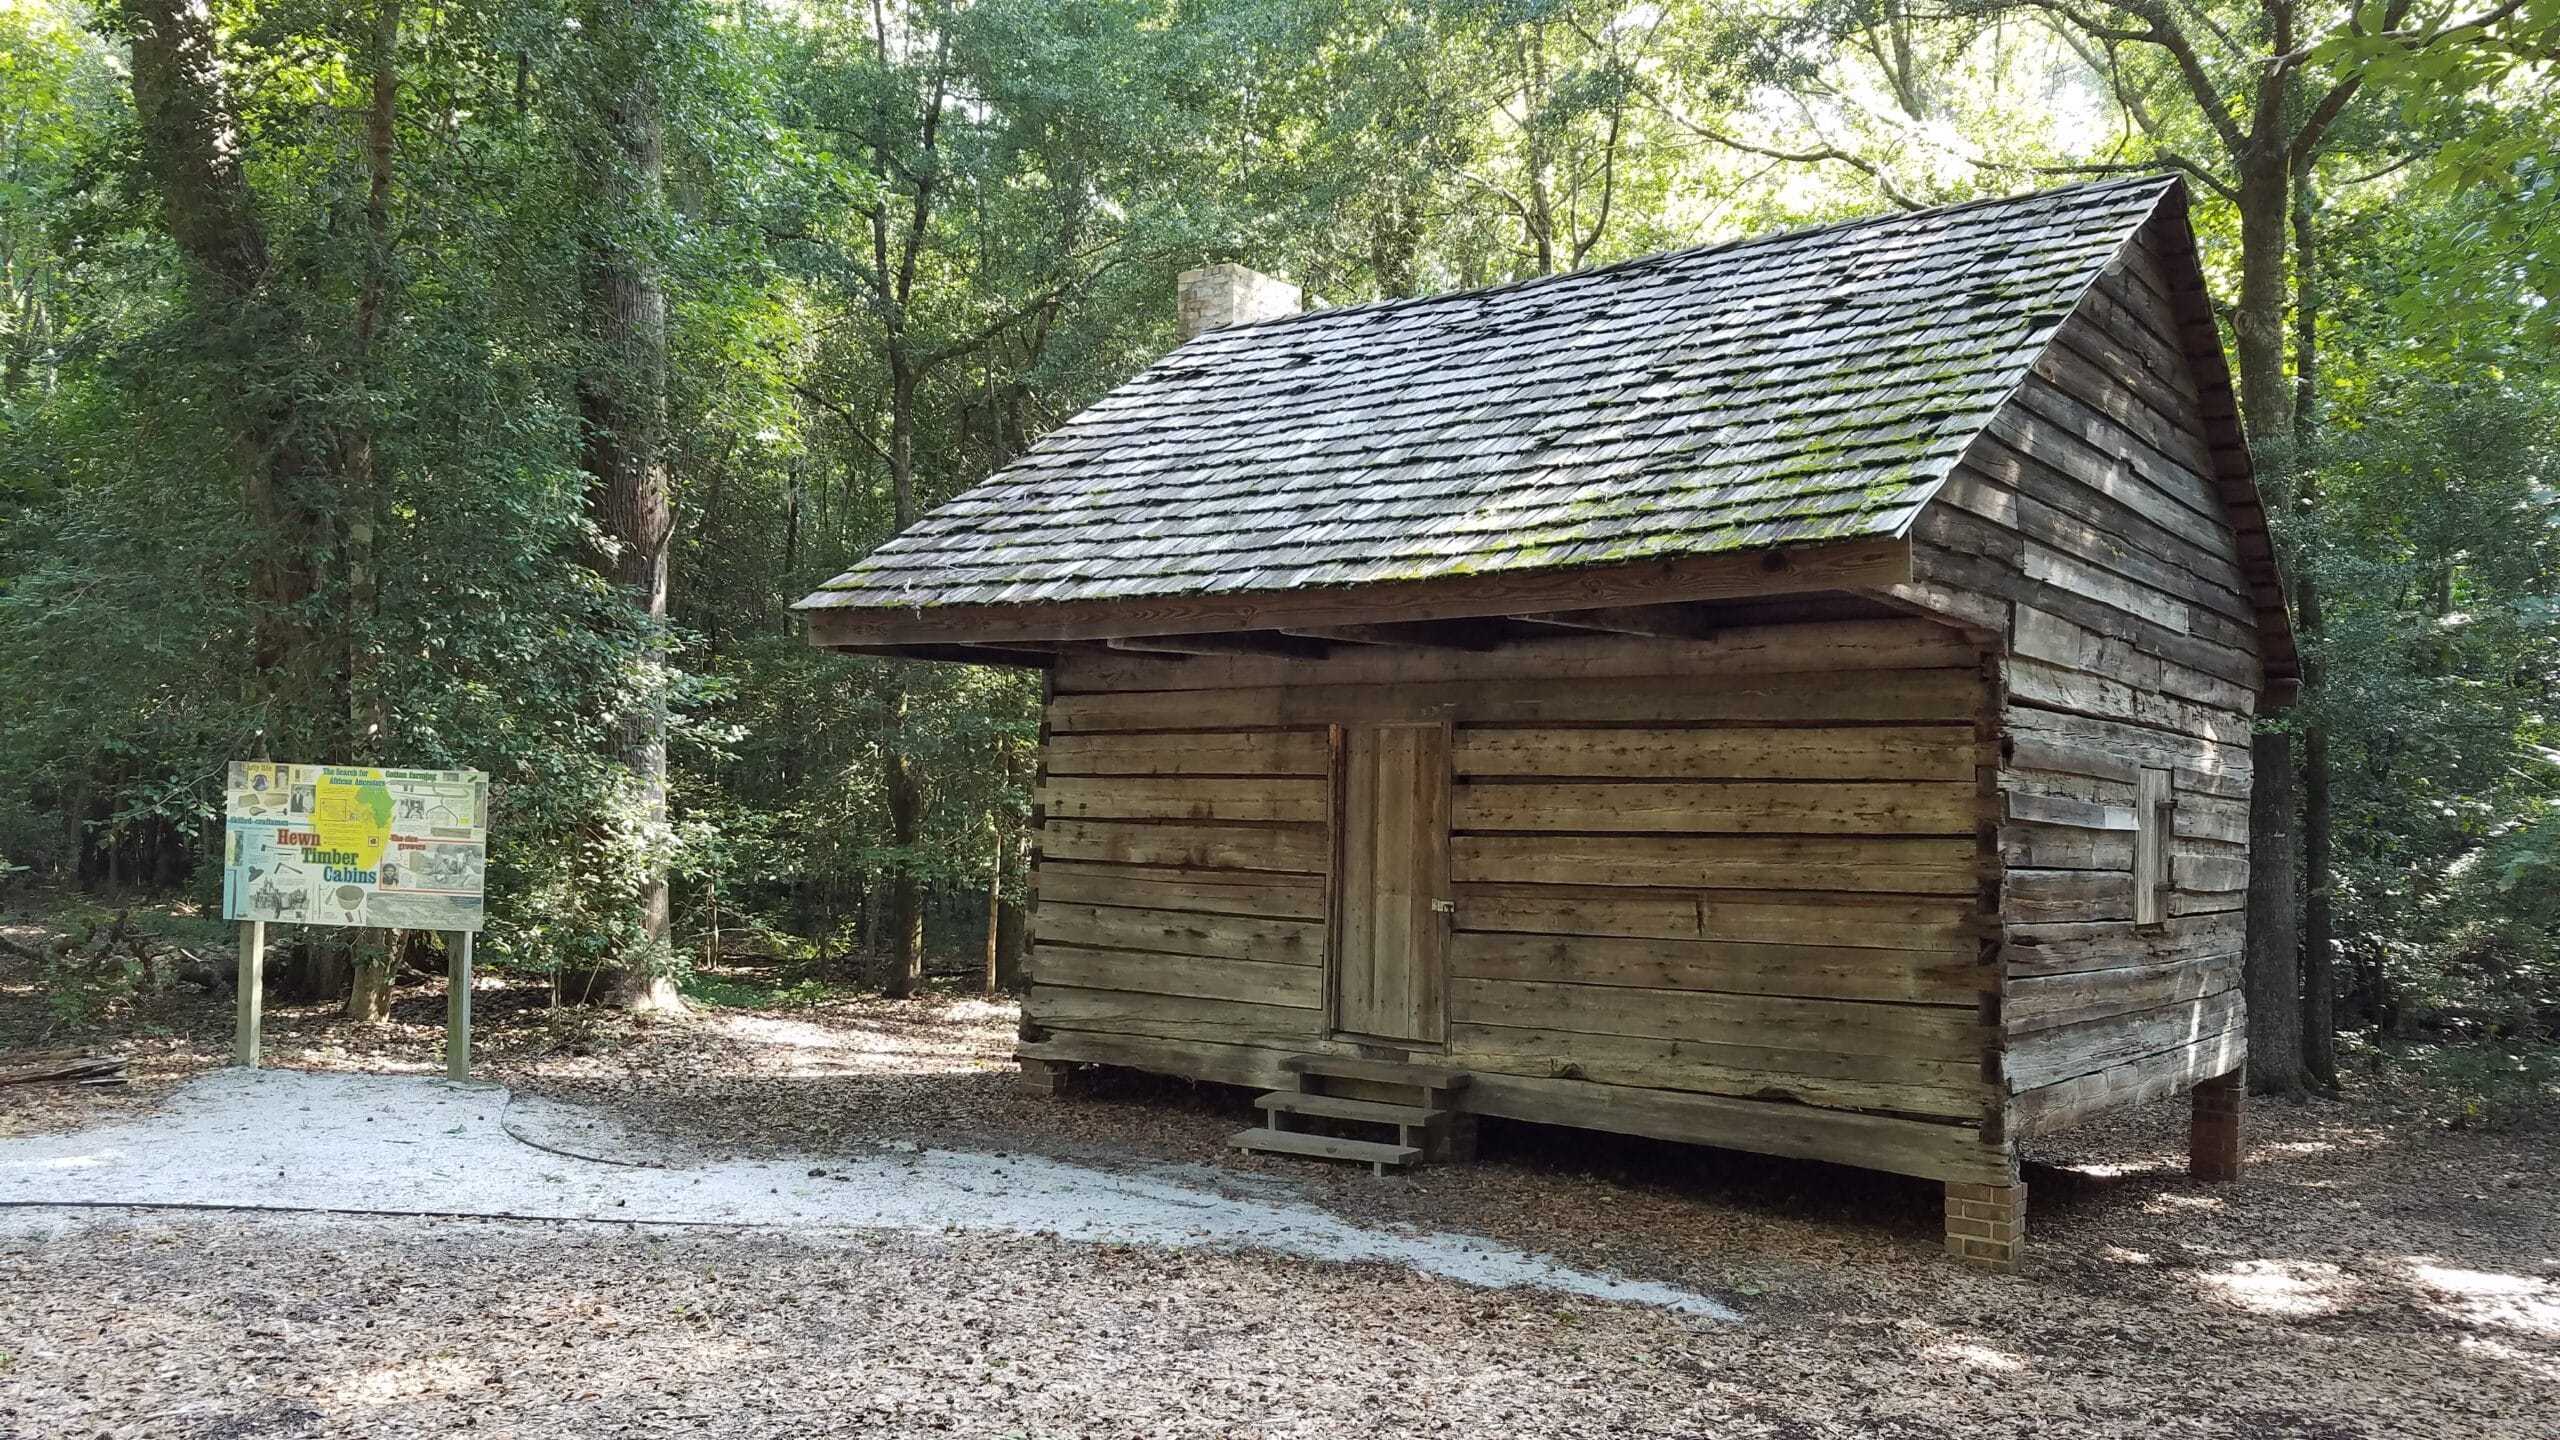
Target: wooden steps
(1375, 1153)
(1343, 1107)
(1415, 1103)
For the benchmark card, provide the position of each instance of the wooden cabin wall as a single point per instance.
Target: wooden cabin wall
(1721, 891)
(2087, 515)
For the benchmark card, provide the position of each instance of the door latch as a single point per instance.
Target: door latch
(1444, 907)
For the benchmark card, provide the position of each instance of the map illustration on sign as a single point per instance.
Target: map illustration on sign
(347, 845)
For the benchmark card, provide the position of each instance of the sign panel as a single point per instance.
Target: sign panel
(347, 845)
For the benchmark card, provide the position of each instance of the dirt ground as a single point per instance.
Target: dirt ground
(2375, 1274)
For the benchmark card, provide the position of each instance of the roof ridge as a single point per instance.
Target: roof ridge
(2162, 178)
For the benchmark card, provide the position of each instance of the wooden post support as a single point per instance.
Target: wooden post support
(1987, 1224)
(457, 1006)
(1044, 1077)
(250, 984)
(2213, 1127)
(1452, 1141)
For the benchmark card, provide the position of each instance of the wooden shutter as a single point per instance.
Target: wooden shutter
(2155, 825)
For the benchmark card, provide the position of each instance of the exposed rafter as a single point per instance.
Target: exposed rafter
(1418, 634)
(1250, 642)
(1671, 622)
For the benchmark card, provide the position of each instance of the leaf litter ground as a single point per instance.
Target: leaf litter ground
(2374, 1275)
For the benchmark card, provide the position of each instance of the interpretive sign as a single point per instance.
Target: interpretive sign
(347, 845)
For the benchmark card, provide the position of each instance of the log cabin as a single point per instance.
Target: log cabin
(1793, 695)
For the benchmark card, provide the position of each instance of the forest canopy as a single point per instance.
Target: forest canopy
(412, 383)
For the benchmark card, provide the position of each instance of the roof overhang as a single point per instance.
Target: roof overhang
(2235, 476)
(1017, 634)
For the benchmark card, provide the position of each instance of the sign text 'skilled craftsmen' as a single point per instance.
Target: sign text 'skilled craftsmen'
(346, 845)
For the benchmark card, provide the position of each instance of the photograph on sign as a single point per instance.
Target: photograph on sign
(350, 845)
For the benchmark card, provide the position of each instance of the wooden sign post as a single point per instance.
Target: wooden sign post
(457, 1006)
(249, 980)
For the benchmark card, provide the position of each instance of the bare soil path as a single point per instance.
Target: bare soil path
(381, 1146)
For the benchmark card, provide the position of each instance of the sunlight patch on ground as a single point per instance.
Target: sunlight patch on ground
(2532, 1362)
(2524, 1303)
(433, 1375)
(337, 1057)
(74, 1162)
(1974, 1355)
(798, 1034)
(2289, 1288)
(2097, 1171)
(813, 1049)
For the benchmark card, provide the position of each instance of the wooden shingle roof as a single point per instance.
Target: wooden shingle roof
(1805, 389)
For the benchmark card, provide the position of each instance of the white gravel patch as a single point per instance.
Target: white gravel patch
(403, 1144)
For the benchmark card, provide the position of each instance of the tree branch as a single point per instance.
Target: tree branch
(2409, 40)
(1828, 153)
(2325, 114)
(2163, 32)
(954, 349)
(845, 417)
(2169, 158)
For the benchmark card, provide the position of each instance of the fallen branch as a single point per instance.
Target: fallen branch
(61, 1067)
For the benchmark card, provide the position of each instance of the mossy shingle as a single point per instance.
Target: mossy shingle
(1806, 387)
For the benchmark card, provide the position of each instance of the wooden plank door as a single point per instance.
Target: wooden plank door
(1390, 951)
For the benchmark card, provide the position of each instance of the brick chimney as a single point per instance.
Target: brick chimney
(1229, 294)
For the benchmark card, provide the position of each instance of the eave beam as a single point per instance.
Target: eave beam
(1847, 565)
(1020, 657)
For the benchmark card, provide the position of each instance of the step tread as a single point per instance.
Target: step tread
(1342, 1107)
(1326, 1147)
(1383, 1072)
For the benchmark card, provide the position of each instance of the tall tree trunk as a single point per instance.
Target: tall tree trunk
(1539, 216)
(373, 957)
(997, 854)
(623, 402)
(26, 338)
(995, 907)
(366, 498)
(905, 793)
(1013, 927)
(2319, 973)
(361, 498)
(2319, 960)
(2271, 978)
(906, 814)
(190, 142)
(2257, 323)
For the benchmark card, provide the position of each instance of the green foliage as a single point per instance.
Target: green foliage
(2488, 93)
(96, 962)
(2437, 550)
(899, 243)
(2481, 1083)
(744, 992)
(80, 991)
